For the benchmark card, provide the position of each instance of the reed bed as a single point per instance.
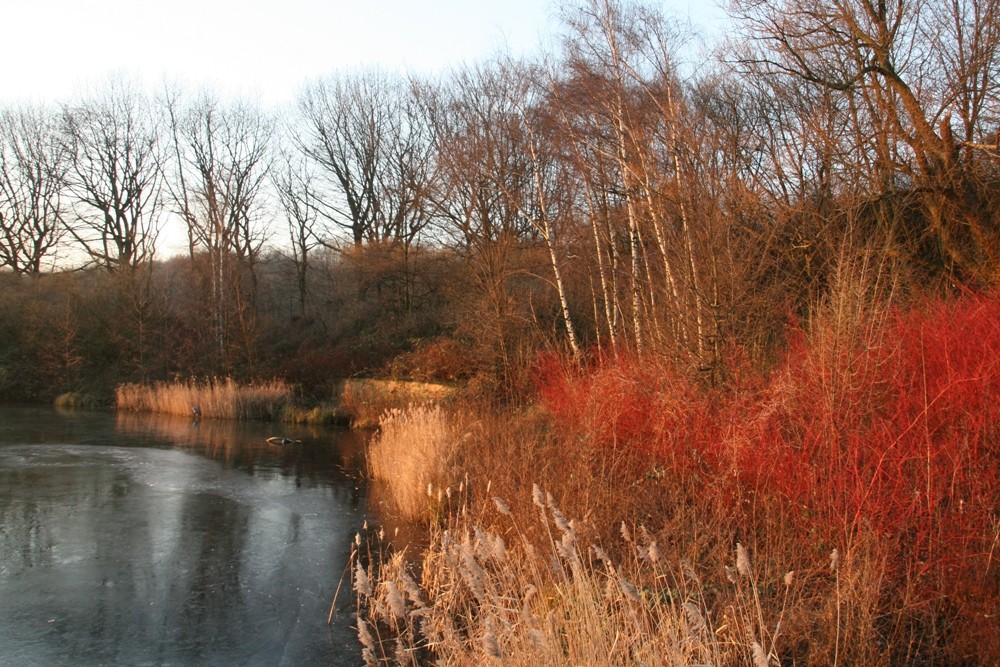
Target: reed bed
(866, 463)
(410, 458)
(214, 399)
(492, 595)
(363, 401)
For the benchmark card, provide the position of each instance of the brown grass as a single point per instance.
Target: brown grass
(356, 402)
(490, 594)
(411, 458)
(640, 458)
(214, 399)
(363, 401)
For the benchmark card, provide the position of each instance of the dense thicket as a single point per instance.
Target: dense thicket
(605, 195)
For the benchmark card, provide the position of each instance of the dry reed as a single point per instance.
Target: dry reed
(363, 401)
(410, 459)
(219, 398)
(491, 595)
(865, 462)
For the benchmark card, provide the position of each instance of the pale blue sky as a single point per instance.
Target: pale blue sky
(52, 48)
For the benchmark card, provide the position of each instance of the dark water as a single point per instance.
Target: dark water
(147, 540)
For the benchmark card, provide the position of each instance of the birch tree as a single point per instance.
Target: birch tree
(623, 106)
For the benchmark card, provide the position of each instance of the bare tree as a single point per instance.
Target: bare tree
(483, 179)
(371, 154)
(32, 170)
(908, 70)
(547, 204)
(223, 157)
(116, 175)
(371, 165)
(480, 156)
(293, 184)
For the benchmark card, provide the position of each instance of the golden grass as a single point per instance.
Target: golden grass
(357, 402)
(489, 594)
(504, 573)
(324, 413)
(363, 401)
(213, 399)
(410, 458)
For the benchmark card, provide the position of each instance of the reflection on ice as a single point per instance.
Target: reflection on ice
(167, 542)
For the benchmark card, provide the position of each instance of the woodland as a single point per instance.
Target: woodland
(623, 192)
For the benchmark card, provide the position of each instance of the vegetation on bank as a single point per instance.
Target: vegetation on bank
(354, 402)
(218, 399)
(839, 509)
(75, 401)
(412, 456)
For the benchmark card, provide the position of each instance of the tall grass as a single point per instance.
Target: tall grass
(876, 438)
(219, 398)
(879, 437)
(363, 401)
(495, 596)
(411, 457)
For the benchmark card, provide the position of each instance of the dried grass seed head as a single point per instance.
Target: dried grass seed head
(759, 656)
(364, 636)
(560, 520)
(412, 590)
(502, 507)
(600, 554)
(361, 583)
(742, 561)
(695, 619)
(536, 496)
(395, 600)
(490, 644)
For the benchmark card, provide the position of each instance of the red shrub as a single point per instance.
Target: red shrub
(622, 402)
(901, 431)
(892, 433)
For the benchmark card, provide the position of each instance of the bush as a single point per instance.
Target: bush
(881, 441)
(866, 462)
(75, 400)
(441, 359)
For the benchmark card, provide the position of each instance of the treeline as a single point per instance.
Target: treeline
(607, 194)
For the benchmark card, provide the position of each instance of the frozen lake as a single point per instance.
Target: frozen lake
(150, 540)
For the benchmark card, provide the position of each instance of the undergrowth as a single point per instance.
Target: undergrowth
(866, 463)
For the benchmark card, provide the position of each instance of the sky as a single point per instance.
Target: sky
(52, 50)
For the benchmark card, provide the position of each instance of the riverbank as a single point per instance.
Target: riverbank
(839, 509)
(355, 402)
